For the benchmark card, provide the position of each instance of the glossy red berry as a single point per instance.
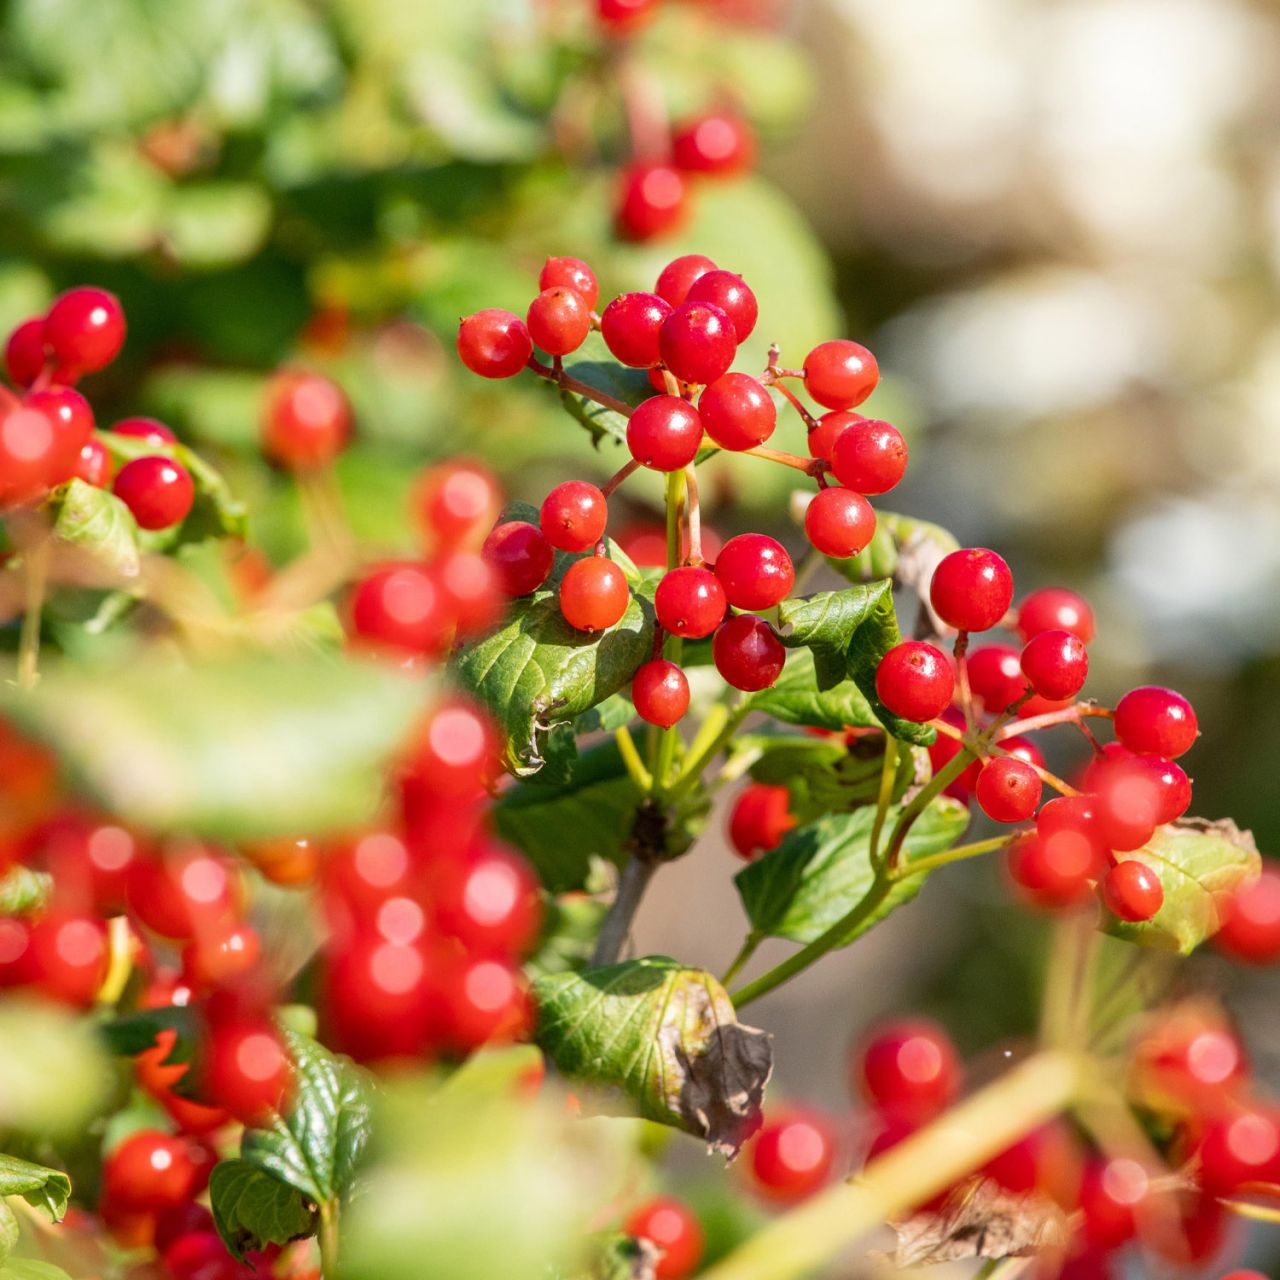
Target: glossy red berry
(72, 420)
(521, 556)
(570, 273)
(400, 607)
(915, 681)
(1055, 609)
(158, 491)
(840, 374)
(995, 676)
(755, 571)
(909, 1067)
(760, 817)
(306, 420)
(486, 1000)
(732, 295)
(718, 144)
(664, 433)
(748, 653)
(454, 753)
(737, 411)
(622, 17)
(89, 859)
(383, 999)
(1250, 929)
(229, 950)
(30, 453)
(488, 900)
(494, 343)
(245, 1069)
(593, 594)
(791, 1157)
(1055, 870)
(1240, 1148)
(574, 515)
(1127, 806)
(457, 502)
(653, 201)
(559, 320)
(839, 522)
(660, 692)
(84, 330)
(69, 957)
(1056, 663)
(24, 352)
(471, 591)
(630, 326)
(971, 589)
(671, 1225)
(867, 455)
(690, 602)
(697, 342)
(1156, 721)
(1132, 890)
(822, 438)
(1172, 784)
(182, 893)
(678, 275)
(1008, 789)
(201, 1255)
(151, 1170)
(1111, 1193)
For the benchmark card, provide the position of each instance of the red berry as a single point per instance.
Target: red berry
(697, 342)
(760, 817)
(1128, 806)
(717, 143)
(1241, 1148)
(731, 294)
(1156, 721)
(72, 420)
(971, 589)
(1110, 1193)
(201, 1255)
(182, 1220)
(559, 320)
(1055, 609)
(1008, 789)
(521, 556)
(660, 692)
(457, 502)
(737, 411)
(245, 1069)
(494, 343)
(748, 653)
(488, 900)
(149, 429)
(383, 999)
(400, 606)
(151, 1170)
(158, 491)
(574, 515)
(690, 602)
(89, 859)
(30, 453)
(84, 330)
(678, 276)
(17, 966)
(486, 1000)
(909, 1067)
(840, 374)
(306, 420)
(995, 676)
(454, 753)
(652, 201)
(822, 439)
(1055, 869)
(1056, 663)
(914, 680)
(1172, 784)
(594, 594)
(181, 894)
(791, 1156)
(630, 326)
(867, 455)
(1069, 813)
(622, 17)
(230, 950)
(839, 522)
(24, 352)
(671, 1226)
(69, 957)
(755, 571)
(1132, 891)
(1250, 929)
(664, 433)
(570, 273)
(471, 590)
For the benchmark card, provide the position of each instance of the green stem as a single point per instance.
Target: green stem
(929, 792)
(631, 758)
(961, 1140)
(698, 761)
(753, 940)
(917, 866)
(888, 771)
(328, 1240)
(37, 574)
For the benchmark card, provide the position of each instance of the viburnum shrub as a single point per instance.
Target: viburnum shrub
(334, 858)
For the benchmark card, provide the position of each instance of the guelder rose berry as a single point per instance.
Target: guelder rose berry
(1055, 609)
(574, 515)
(690, 602)
(660, 692)
(494, 343)
(401, 607)
(697, 342)
(24, 352)
(717, 144)
(521, 556)
(867, 455)
(158, 491)
(840, 374)
(671, 1226)
(1056, 663)
(971, 589)
(664, 433)
(732, 295)
(1250, 916)
(307, 420)
(630, 325)
(570, 273)
(915, 681)
(593, 594)
(678, 276)
(760, 817)
(1008, 789)
(995, 676)
(84, 331)
(1156, 721)
(1132, 891)
(738, 411)
(908, 1066)
(559, 320)
(791, 1156)
(755, 571)
(652, 201)
(839, 522)
(748, 653)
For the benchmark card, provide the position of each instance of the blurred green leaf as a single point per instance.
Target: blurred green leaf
(667, 1036)
(98, 521)
(40, 1187)
(242, 748)
(571, 923)
(211, 224)
(30, 1269)
(24, 891)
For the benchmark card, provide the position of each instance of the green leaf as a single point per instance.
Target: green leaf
(40, 1187)
(212, 224)
(664, 1034)
(849, 632)
(622, 1257)
(253, 1208)
(536, 669)
(822, 870)
(98, 521)
(310, 1153)
(571, 924)
(797, 699)
(135, 1033)
(560, 829)
(631, 386)
(1199, 864)
(241, 748)
(31, 1269)
(23, 892)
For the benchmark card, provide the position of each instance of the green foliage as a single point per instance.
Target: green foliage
(98, 521)
(23, 891)
(40, 1187)
(799, 698)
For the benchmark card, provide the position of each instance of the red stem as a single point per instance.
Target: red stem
(619, 476)
(566, 382)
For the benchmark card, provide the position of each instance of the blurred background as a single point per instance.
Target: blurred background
(1057, 223)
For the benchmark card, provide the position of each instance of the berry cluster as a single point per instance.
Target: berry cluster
(686, 335)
